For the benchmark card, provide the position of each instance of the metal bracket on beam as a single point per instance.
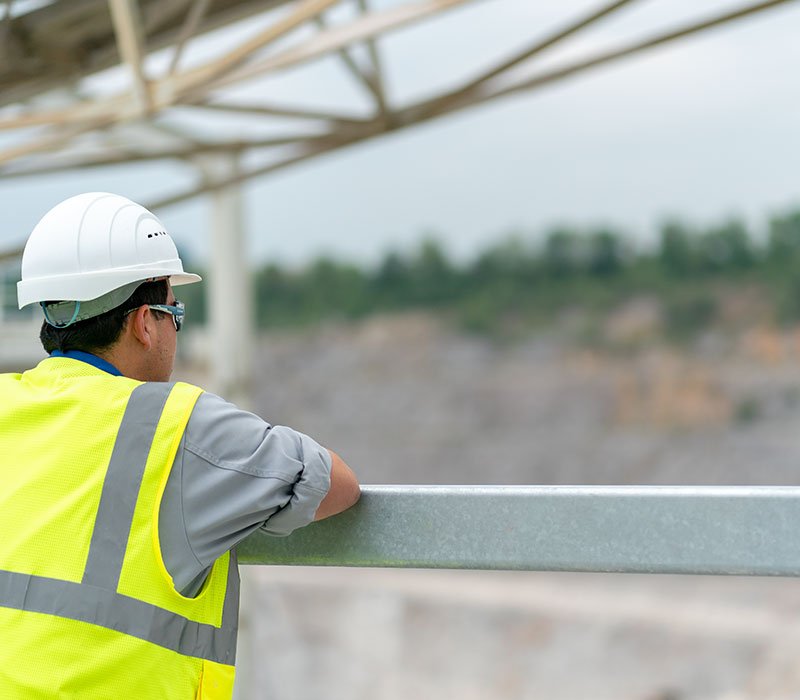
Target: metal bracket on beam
(631, 529)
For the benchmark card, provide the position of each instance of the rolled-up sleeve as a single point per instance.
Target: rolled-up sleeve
(235, 473)
(311, 484)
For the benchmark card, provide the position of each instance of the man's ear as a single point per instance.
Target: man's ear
(139, 326)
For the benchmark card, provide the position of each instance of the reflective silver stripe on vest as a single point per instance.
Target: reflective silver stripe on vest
(95, 600)
(99, 606)
(112, 526)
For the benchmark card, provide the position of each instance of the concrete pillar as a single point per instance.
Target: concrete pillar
(230, 302)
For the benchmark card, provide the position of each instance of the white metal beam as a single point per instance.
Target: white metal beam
(473, 85)
(276, 111)
(309, 149)
(52, 140)
(354, 69)
(172, 89)
(302, 13)
(376, 76)
(130, 40)
(89, 117)
(196, 12)
(229, 295)
(119, 155)
(330, 41)
(604, 57)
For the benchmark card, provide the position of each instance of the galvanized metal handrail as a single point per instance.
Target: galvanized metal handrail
(637, 529)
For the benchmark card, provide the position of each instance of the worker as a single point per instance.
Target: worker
(122, 495)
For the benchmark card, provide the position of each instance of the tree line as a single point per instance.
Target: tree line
(518, 283)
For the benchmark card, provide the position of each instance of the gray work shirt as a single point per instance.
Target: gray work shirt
(233, 474)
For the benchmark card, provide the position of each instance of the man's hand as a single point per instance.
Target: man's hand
(344, 490)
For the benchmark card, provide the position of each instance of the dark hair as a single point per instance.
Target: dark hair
(101, 332)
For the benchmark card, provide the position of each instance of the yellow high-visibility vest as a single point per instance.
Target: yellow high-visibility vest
(87, 607)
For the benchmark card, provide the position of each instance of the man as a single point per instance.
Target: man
(122, 495)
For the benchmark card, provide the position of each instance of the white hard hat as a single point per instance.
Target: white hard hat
(92, 244)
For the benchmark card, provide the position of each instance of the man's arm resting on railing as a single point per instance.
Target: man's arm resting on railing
(344, 490)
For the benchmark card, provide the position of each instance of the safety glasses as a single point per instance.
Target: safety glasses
(176, 311)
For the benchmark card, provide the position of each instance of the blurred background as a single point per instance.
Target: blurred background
(482, 242)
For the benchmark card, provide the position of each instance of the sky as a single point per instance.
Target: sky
(703, 130)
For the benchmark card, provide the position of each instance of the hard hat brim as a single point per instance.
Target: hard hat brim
(91, 285)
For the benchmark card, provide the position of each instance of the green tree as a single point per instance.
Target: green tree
(563, 253)
(335, 289)
(279, 298)
(726, 247)
(391, 283)
(784, 238)
(676, 253)
(607, 253)
(508, 259)
(432, 277)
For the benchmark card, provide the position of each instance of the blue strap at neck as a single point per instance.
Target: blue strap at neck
(89, 359)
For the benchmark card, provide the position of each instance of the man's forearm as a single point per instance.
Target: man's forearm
(344, 490)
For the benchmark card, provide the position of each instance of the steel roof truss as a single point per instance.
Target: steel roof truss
(130, 41)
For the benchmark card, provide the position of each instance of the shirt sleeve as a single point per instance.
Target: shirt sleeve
(235, 473)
